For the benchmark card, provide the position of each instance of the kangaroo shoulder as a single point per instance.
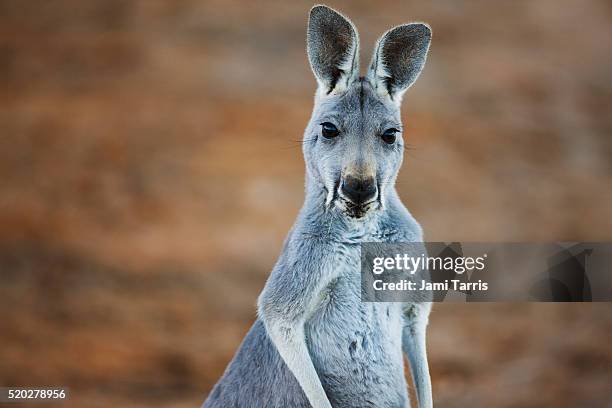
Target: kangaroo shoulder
(401, 221)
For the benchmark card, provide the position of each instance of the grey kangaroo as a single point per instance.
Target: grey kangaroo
(315, 343)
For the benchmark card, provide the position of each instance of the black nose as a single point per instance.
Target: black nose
(358, 190)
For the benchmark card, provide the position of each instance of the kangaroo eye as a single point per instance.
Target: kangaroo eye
(329, 130)
(389, 135)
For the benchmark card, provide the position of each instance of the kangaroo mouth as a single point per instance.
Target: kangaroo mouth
(355, 208)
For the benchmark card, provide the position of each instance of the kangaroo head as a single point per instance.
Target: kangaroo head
(353, 144)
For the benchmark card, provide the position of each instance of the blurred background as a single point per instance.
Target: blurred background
(150, 167)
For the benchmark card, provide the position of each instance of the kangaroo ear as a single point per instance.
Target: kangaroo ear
(399, 58)
(333, 48)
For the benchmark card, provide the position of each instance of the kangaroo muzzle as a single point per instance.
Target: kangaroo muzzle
(359, 191)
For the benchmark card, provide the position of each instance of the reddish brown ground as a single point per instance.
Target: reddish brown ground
(150, 169)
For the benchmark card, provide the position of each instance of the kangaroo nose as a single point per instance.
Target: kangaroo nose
(358, 190)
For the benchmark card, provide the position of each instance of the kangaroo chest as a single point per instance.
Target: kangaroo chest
(356, 346)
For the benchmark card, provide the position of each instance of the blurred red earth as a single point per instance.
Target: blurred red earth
(151, 167)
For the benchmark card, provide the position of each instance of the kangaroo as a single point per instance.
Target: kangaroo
(315, 343)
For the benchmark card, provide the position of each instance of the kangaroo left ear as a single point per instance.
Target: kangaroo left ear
(399, 58)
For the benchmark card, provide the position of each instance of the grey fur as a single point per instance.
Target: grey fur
(315, 343)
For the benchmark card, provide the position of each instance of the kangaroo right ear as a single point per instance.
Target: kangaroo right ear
(333, 48)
